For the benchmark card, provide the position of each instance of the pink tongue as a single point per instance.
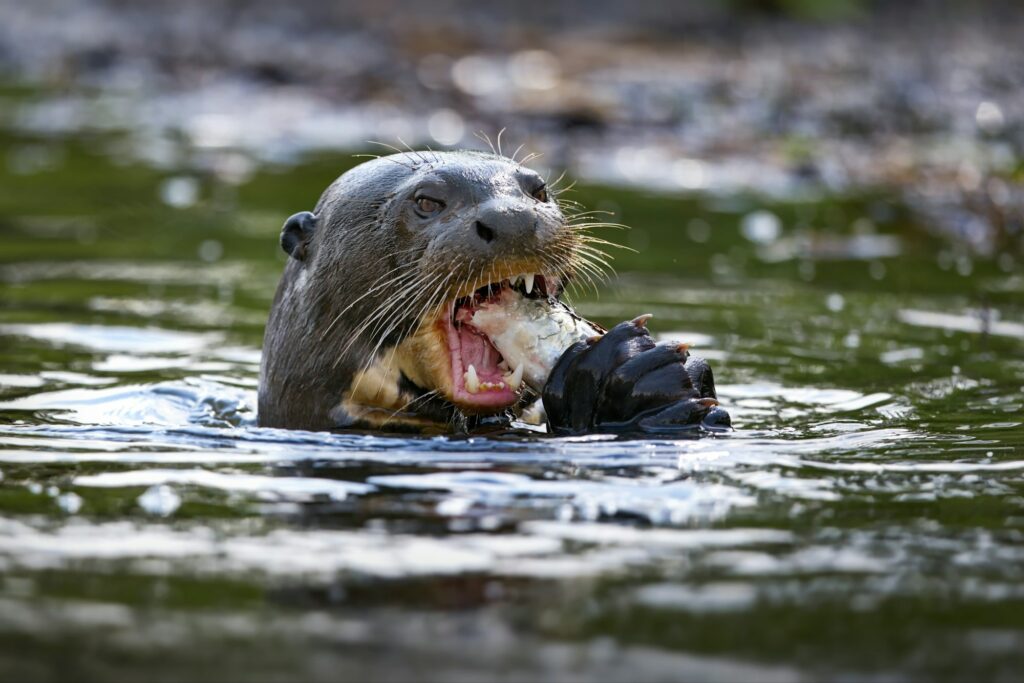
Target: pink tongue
(478, 352)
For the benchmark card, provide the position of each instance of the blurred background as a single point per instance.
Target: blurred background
(789, 99)
(826, 198)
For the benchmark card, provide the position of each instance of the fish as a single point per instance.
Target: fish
(531, 334)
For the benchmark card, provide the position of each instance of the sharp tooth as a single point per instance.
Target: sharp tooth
(472, 381)
(529, 282)
(517, 377)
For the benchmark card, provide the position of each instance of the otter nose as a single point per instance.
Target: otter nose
(503, 224)
(485, 233)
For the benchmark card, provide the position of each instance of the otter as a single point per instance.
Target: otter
(364, 331)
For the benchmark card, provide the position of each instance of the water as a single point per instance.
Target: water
(865, 519)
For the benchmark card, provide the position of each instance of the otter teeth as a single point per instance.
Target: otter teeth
(472, 381)
(528, 282)
(514, 379)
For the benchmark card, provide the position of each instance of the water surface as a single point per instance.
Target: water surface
(864, 519)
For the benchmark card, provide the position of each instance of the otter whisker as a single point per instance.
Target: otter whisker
(599, 250)
(484, 137)
(399, 319)
(409, 404)
(412, 151)
(500, 132)
(575, 256)
(589, 240)
(412, 165)
(553, 186)
(598, 224)
(516, 153)
(585, 269)
(384, 144)
(377, 318)
(439, 289)
(373, 288)
(575, 215)
(593, 258)
(600, 245)
(372, 356)
(396, 281)
(376, 314)
(437, 159)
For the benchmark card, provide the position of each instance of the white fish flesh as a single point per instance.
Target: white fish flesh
(531, 334)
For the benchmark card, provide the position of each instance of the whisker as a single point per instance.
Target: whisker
(484, 137)
(499, 141)
(516, 153)
(411, 150)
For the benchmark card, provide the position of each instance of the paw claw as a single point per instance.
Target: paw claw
(641, 320)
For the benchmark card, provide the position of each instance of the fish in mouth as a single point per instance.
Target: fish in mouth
(507, 333)
(487, 350)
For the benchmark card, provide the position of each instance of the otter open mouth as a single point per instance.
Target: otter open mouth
(482, 380)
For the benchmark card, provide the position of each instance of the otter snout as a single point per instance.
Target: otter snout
(503, 226)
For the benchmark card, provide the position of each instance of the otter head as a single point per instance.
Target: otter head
(393, 260)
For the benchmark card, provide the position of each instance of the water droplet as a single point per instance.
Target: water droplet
(835, 302)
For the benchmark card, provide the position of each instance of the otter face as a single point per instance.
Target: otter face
(479, 229)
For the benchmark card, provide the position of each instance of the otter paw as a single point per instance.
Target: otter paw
(624, 382)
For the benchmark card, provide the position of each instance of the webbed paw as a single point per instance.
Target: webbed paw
(624, 382)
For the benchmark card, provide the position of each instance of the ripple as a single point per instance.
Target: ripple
(112, 338)
(288, 488)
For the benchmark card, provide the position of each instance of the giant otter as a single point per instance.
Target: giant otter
(368, 327)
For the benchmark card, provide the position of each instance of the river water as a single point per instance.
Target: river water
(865, 518)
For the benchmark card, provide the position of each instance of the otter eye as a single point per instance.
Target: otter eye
(541, 193)
(427, 205)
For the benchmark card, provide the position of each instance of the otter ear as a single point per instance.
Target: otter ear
(296, 234)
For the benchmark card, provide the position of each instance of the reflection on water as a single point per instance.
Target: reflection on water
(866, 516)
